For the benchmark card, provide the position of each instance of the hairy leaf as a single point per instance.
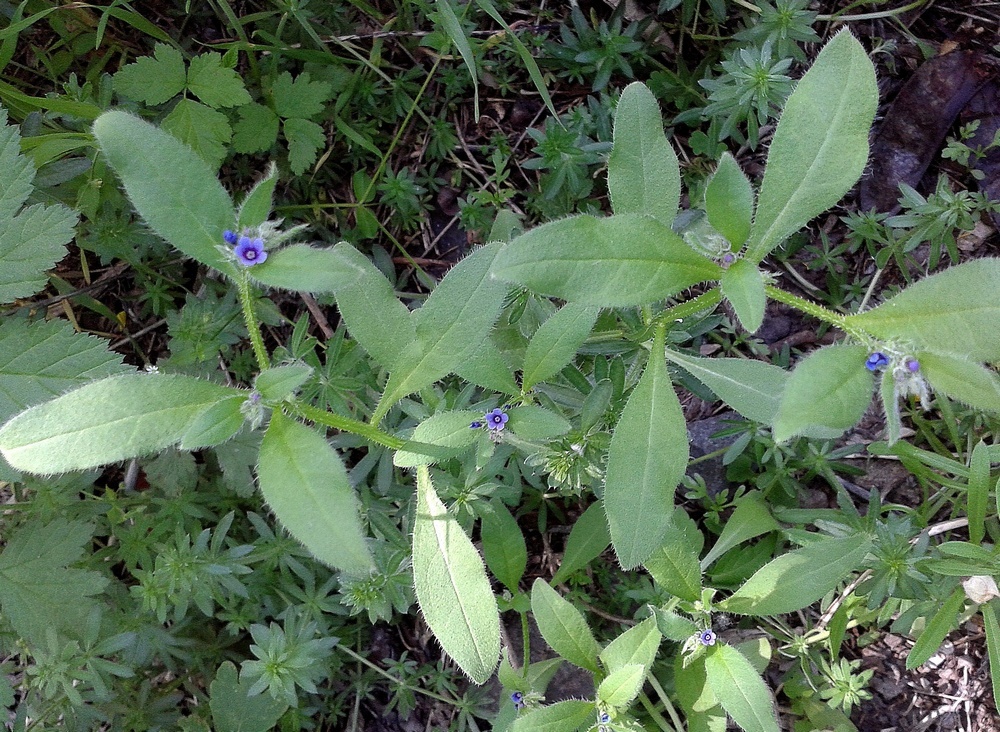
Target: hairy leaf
(556, 342)
(153, 79)
(563, 627)
(740, 689)
(729, 202)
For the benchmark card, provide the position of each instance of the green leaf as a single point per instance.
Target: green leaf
(487, 367)
(452, 588)
(299, 98)
(587, 540)
(752, 388)
(34, 238)
(960, 379)
(563, 627)
(105, 421)
(256, 207)
(531, 422)
(555, 343)
(743, 287)
(189, 208)
(305, 140)
(214, 84)
(503, 545)
(564, 716)
(674, 627)
(305, 484)
(740, 689)
(695, 696)
(978, 492)
(992, 646)
(201, 128)
(637, 645)
(256, 130)
(643, 174)
(820, 146)
(368, 304)
(956, 311)
(646, 460)
(944, 621)
(38, 590)
(729, 202)
(450, 326)
(280, 382)
(827, 393)
(449, 430)
(215, 425)
(621, 686)
(303, 268)
(799, 578)
(618, 261)
(674, 565)
(153, 79)
(41, 360)
(234, 710)
(452, 27)
(750, 519)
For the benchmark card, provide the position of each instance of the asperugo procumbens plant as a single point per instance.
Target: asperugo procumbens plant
(932, 337)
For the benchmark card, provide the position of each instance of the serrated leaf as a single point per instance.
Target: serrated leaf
(256, 207)
(201, 128)
(19, 172)
(620, 687)
(38, 591)
(106, 421)
(189, 208)
(306, 486)
(299, 98)
(944, 621)
(827, 393)
(368, 304)
(740, 689)
(743, 286)
(618, 261)
(563, 627)
(820, 146)
(42, 360)
(503, 545)
(305, 140)
(256, 130)
(799, 578)
(564, 716)
(729, 202)
(451, 325)
(646, 460)
(956, 311)
(643, 174)
(556, 342)
(452, 588)
(153, 79)
(214, 84)
(587, 540)
(234, 710)
(303, 268)
(449, 430)
(960, 379)
(752, 388)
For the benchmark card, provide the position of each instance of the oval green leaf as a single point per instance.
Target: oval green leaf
(452, 588)
(277, 383)
(621, 686)
(564, 716)
(563, 627)
(531, 422)
(215, 425)
(743, 286)
(448, 429)
(740, 689)
(587, 540)
(556, 342)
(944, 621)
(503, 545)
(729, 202)
(961, 379)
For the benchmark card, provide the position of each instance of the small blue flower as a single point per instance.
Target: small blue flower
(230, 237)
(496, 420)
(876, 361)
(604, 718)
(518, 698)
(707, 637)
(250, 251)
(475, 425)
(912, 365)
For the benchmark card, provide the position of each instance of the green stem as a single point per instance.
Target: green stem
(526, 642)
(810, 308)
(250, 318)
(361, 659)
(704, 301)
(346, 424)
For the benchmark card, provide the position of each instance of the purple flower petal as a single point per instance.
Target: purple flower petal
(250, 251)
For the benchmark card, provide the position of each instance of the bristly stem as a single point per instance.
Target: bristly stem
(346, 424)
(810, 308)
(250, 318)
